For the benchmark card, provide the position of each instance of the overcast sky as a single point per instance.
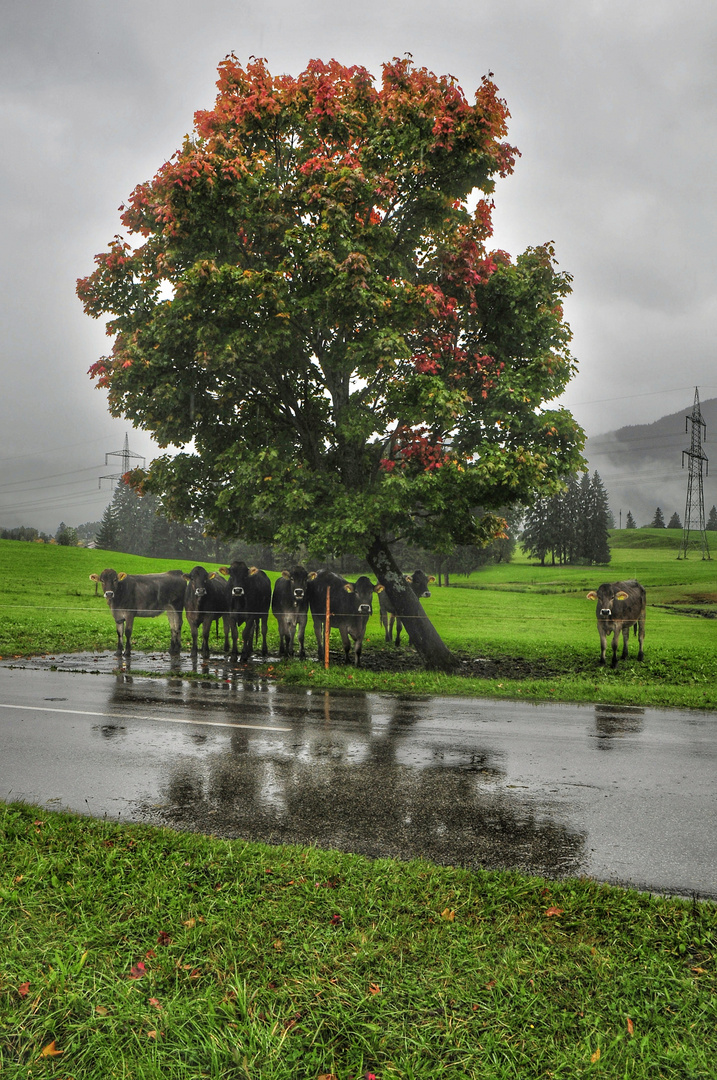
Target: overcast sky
(614, 109)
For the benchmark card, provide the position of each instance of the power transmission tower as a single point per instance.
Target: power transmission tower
(127, 455)
(694, 520)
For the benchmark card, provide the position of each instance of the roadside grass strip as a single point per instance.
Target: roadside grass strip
(134, 952)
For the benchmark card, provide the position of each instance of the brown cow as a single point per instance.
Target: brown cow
(620, 606)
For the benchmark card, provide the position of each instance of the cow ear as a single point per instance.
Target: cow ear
(253, 570)
(348, 587)
(121, 576)
(407, 577)
(431, 579)
(224, 570)
(622, 595)
(285, 574)
(212, 575)
(186, 577)
(378, 588)
(313, 575)
(592, 595)
(94, 577)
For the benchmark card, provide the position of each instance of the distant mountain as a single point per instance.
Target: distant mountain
(641, 465)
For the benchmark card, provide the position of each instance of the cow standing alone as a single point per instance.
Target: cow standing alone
(620, 606)
(350, 608)
(143, 596)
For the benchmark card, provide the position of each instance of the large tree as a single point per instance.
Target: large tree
(310, 311)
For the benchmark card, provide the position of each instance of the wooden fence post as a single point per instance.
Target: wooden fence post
(327, 629)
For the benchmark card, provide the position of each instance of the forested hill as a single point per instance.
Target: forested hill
(641, 464)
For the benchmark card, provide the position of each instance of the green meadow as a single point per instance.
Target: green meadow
(520, 629)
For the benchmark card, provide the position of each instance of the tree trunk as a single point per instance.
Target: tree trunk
(420, 630)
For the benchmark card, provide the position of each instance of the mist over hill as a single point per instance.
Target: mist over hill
(641, 464)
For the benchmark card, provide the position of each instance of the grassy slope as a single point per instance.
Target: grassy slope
(148, 955)
(517, 610)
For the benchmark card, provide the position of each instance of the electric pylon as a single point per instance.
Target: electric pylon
(127, 455)
(694, 521)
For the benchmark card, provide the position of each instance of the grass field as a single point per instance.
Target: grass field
(515, 612)
(143, 954)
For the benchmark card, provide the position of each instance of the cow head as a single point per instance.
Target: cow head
(197, 580)
(109, 580)
(299, 579)
(419, 583)
(606, 596)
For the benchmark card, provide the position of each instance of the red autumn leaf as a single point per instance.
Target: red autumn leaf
(554, 911)
(155, 1002)
(163, 938)
(374, 988)
(335, 919)
(150, 954)
(369, 1076)
(630, 1026)
(138, 971)
(51, 1050)
(23, 989)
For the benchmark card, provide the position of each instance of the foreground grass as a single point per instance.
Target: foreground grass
(141, 953)
(519, 611)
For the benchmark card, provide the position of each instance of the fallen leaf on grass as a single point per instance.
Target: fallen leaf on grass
(554, 911)
(374, 988)
(163, 938)
(630, 1026)
(153, 1034)
(335, 919)
(596, 1056)
(150, 954)
(155, 1002)
(448, 914)
(699, 970)
(101, 1010)
(23, 989)
(51, 1050)
(138, 971)
(327, 1076)
(278, 944)
(190, 923)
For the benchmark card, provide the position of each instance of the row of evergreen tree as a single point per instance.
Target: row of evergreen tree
(137, 526)
(572, 527)
(658, 521)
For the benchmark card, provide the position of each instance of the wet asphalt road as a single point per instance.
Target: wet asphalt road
(624, 795)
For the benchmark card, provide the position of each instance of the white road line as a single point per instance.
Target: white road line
(133, 716)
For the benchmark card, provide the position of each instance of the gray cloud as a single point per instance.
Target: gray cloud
(613, 109)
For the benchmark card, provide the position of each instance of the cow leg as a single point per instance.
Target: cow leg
(640, 627)
(226, 623)
(128, 624)
(625, 640)
(233, 630)
(175, 627)
(264, 620)
(603, 643)
(399, 627)
(615, 640)
(206, 634)
(346, 643)
(247, 639)
(319, 632)
(302, 631)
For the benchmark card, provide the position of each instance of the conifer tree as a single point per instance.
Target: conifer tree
(630, 522)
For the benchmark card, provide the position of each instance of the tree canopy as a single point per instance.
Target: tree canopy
(309, 309)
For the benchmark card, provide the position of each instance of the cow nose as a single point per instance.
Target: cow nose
(200, 592)
(426, 593)
(109, 594)
(237, 591)
(605, 611)
(365, 609)
(299, 594)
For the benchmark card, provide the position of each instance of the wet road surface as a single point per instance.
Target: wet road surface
(624, 795)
